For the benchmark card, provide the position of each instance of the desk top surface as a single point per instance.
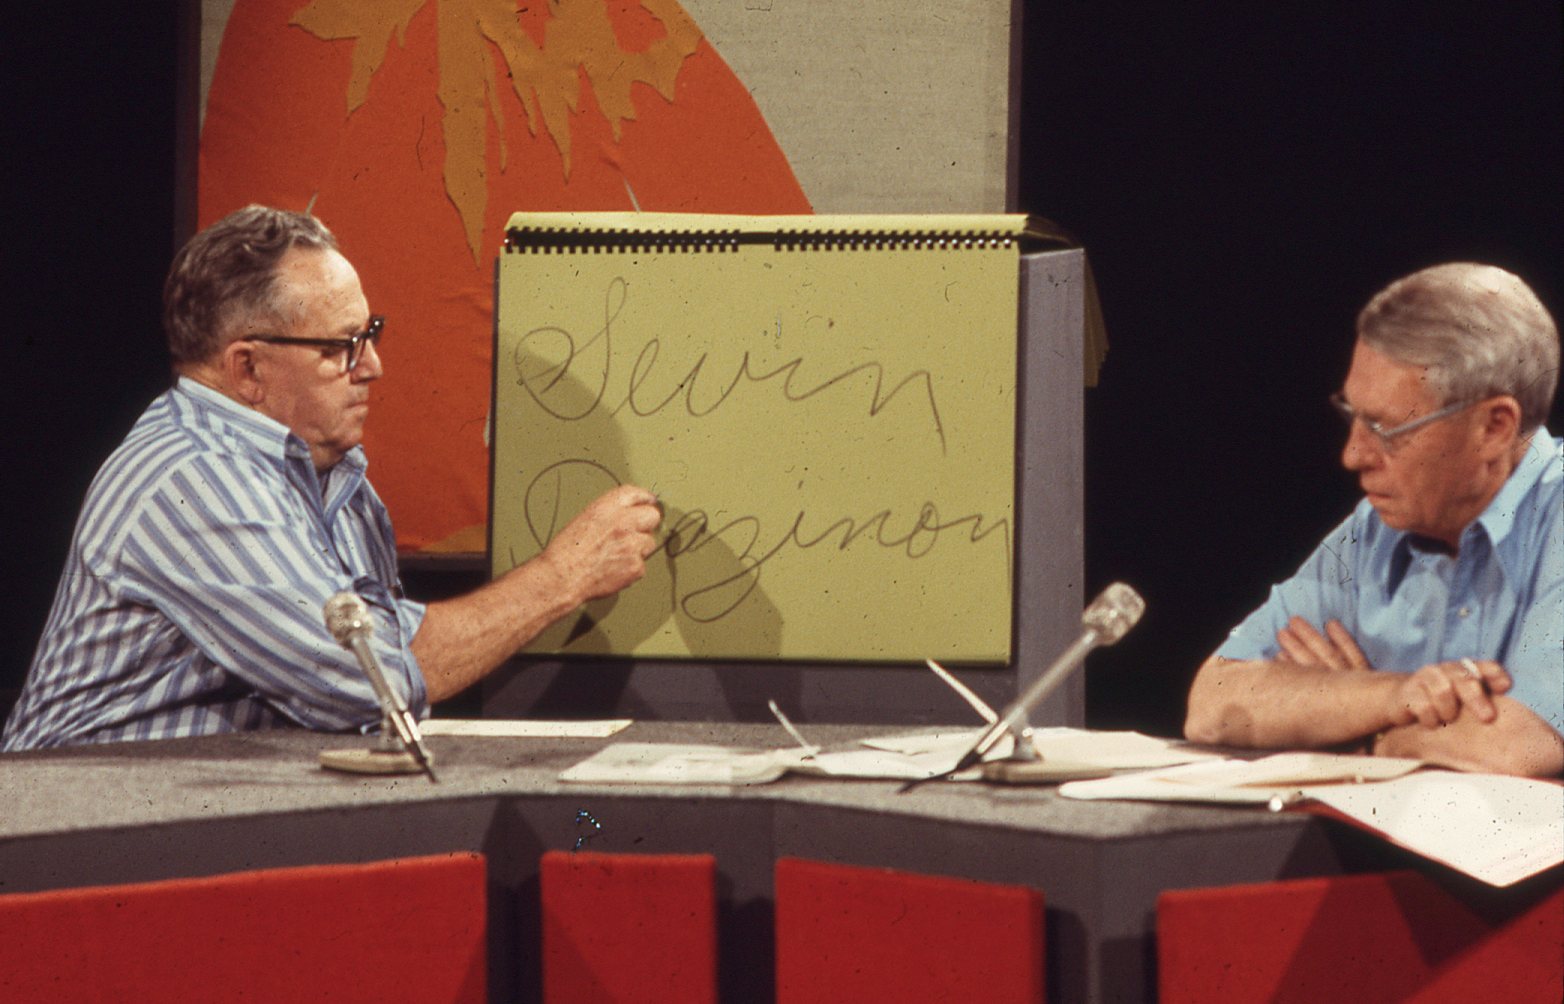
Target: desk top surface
(120, 785)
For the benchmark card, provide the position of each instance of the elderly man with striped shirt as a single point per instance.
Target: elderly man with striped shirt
(210, 539)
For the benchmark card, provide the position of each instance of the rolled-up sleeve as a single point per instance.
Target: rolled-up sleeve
(1535, 655)
(1322, 589)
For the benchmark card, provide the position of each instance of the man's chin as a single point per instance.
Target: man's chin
(346, 443)
(1387, 512)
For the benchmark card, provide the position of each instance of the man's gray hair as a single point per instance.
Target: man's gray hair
(1480, 330)
(227, 274)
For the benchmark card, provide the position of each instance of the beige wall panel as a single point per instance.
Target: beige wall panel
(882, 106)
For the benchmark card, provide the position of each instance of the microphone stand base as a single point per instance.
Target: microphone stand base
(370, 761)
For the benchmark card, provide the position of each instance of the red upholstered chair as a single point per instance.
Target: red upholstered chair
(1393, 937)
(408, 929)
(846, 933)
(629, 927)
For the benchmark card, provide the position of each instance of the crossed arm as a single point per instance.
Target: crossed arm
(1320, 691)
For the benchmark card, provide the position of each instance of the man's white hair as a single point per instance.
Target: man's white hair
(1480, 330)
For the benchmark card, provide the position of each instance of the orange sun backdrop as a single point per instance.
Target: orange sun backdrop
(414, 128)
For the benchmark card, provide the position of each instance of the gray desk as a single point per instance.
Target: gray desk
(146, 811)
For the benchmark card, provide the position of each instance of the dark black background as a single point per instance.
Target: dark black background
(1244, 176)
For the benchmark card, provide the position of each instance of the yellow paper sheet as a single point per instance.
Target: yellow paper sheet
(830, 428)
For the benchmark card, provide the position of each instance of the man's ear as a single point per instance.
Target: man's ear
(240, 367)
(1500, 424)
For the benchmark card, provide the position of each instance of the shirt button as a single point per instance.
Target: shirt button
(1465, 611)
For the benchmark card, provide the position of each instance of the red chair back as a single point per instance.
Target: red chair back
(623, 927)
(1392, 937)
(846, 933)
(406, 929)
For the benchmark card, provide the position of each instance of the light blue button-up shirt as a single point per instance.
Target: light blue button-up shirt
(1501, 597)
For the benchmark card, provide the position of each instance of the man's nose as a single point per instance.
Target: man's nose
(1362, 449)
(369, 366)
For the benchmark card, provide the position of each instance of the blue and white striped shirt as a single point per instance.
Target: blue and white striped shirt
(191, 598)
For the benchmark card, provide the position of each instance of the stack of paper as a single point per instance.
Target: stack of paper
(1496, 828)
(900, 758)
(677, 763)
(1274, 779)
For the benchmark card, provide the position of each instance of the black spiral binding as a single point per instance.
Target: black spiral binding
(546, 241)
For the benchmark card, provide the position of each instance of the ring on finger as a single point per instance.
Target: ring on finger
(1471, 669)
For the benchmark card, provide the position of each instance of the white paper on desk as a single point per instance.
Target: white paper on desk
(1114, 750)
(677, 763)
(875, 764)
(517, 728)
(1281, 775)
(1496, 828)
(952, 741)
(674, 763)
(1083, 748)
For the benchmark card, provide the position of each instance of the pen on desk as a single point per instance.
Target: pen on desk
(810, 749)
(989, 714)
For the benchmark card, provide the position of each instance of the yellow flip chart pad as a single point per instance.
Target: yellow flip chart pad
(825, 406)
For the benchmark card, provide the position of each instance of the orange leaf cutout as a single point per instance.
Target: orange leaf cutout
(370, 23)
(579, 39)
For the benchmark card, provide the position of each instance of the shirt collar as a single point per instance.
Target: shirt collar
(1503, 511)
(260, 432)
(1402, 551)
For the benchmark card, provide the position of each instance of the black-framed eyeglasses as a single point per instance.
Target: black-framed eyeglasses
(353, 346)
(1387, 436)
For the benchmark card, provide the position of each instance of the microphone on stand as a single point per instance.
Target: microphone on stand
(1105, 621)
(347, 618)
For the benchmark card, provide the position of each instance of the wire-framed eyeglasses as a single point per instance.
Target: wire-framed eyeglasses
(353, 345)
(1387, 436)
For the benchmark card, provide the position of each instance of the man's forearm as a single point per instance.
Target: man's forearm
(1283, 705)
(1517, 741)
(461, 640)
(599, 552)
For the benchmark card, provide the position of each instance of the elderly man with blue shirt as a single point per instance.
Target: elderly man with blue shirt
(191, 601)
(1430, 623)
